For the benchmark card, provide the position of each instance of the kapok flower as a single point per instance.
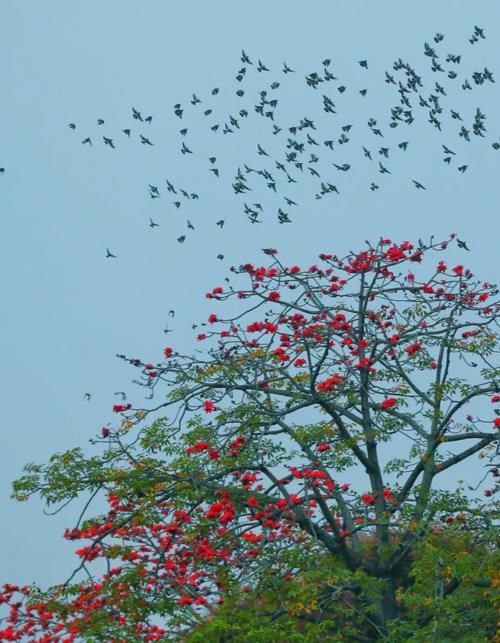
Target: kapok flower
(389, 403)
(120, 408)
(168, 352)
(413, 348)
(209, 406)
(329, 384)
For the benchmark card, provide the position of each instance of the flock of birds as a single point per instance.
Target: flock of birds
(302, 151)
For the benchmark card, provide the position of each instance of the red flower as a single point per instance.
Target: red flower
(323, 447)
(212, 318)
(168, 352)
(299, 362)
(274, 296)
(458, 270)
(209, 406)
(496, 423)
(368, 499)
(120, 408)
(105, 432)
(329, 384)
(201, 337)
(389, 403)
(413, 348)
(495, 398)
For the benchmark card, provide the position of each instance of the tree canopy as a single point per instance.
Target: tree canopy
(291, 470)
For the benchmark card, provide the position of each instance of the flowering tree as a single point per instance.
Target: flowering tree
(241, 486)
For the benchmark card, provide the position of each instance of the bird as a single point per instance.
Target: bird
(373, 187)
(144, 140)
(462, 244)
(383, 169)
(261, 66)
(403, 145)
(367, 153)
(109, 254)
(168, 330)
(171, 313)
(418, 185)
(2, 170)
(185, 149)
(100, 121)
(287, 70)
(245, 59)
(72, 126)
(220, 257)
(182, 238)
(126, 131)
(108, 141)
(148, 119)
(152, 224)
(136, 114)
(363, 63)
(87, 397)
(87, 140)
(190, 225)
(220, 223)
(261, 151)
(462, 168)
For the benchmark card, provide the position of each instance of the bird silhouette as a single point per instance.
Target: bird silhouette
(418, 185)
(87, 141)
(87, 396)
(136, 114)
(109, 254)
(108, 141)
(462, 244)
(144, 140)
(152, 224)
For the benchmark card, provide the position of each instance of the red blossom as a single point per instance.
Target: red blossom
(209, 406)
(388, 403)
(212, 318)
(168, 352)
(413, 348)
(120, 408)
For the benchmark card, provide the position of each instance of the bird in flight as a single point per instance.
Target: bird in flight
(463, 245)
(109, 254)
(87, 141)
(136, 114)
(87, 397)
(108, 141)
(418, 185)
(152, 224)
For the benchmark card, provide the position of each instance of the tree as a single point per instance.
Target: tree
(238, 486)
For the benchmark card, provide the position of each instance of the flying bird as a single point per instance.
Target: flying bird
(108, 141)
(109, 254)
(152, 224)
(87, 140)
(418, 185)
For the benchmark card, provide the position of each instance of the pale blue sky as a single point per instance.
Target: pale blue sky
(67, 310)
